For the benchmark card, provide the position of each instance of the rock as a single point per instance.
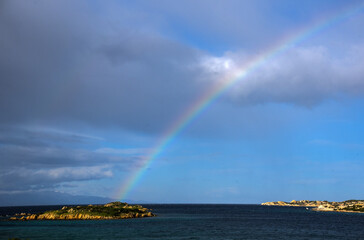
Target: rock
(32, 217)
(71, 210)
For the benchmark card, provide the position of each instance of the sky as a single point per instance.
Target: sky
(89, 91)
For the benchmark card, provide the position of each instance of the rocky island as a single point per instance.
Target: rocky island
(344, 206)
(113, 210)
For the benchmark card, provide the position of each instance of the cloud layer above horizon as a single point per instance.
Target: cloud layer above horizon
(87, 87)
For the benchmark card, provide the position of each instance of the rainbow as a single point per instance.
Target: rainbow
(228, 81)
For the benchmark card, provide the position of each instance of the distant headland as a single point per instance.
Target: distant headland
(344, 206)
(113, 210)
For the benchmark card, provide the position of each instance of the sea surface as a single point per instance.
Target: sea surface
(194, 221)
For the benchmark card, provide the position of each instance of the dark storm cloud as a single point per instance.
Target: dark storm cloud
(58, 63)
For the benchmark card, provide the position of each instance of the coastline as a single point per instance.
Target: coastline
(348, 206)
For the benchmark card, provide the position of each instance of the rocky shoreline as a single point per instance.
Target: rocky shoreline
(356, 206)
(114, 210)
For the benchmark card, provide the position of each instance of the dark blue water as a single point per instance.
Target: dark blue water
(195, 222)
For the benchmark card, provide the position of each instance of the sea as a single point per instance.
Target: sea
(193, 221)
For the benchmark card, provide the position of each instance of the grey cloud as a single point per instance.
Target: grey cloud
(303, 76)
(20, 136)
(131, 151)
(47, 198)
(48, 157)
(25, 179)
(61, 157)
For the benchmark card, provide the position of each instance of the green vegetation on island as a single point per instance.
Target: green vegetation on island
(344, 206)
(114, 210)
